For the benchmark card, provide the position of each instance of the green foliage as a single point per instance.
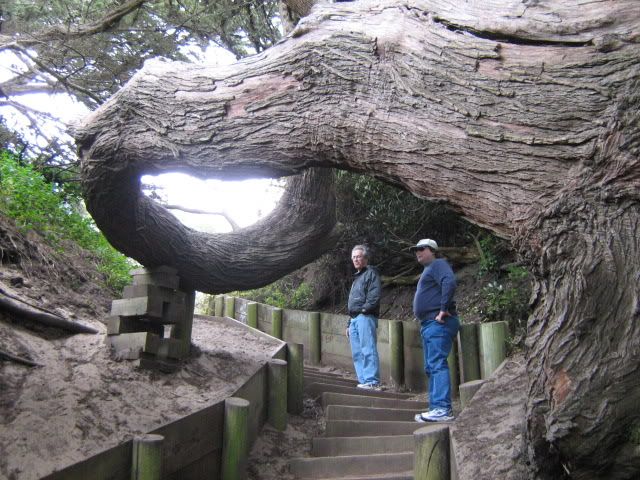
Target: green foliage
(90, 49)
(390, 220)
(491, 250)
(98, 45)
(634, 434)
(507, 299)
(283, 294)
(35, 204)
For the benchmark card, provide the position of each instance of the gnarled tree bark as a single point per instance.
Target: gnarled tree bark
(524, 116)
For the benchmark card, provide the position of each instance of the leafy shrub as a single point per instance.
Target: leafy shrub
(492, 251)
(390, 220)
(35, 204)
(634, 434)
(282, 293)
(507, 299)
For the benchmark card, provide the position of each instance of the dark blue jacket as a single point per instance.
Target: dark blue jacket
(435, 291)
(364, 296)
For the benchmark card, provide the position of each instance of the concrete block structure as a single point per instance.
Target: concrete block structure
(153, 320)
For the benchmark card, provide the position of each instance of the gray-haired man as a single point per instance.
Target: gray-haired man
(364, 309)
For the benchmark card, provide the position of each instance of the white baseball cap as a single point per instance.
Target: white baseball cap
(425, 242)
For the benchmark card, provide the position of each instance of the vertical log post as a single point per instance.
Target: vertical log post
(218, 305)
(183, 327)
(396, 352)
(230, 307)
(146, 461)
(431, 453)
(277, 408)
(469, 356)
(235, 442)
(468, 390)
(295, 374)
(276, 323)
(315, 338)
(493, 346)
(452, 361)
(252, 314)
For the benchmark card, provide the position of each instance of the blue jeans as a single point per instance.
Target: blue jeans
(363, 337)
(437, 340)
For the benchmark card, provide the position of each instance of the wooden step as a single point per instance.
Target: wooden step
(343, 466)
(315, 390)
(336, 398)
(339, 446)
(345, 412)
(357, 428)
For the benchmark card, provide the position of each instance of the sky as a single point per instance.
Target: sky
(245, 201)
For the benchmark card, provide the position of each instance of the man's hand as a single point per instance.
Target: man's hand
(441, 316)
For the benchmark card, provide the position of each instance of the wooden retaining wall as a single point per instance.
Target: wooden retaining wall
(335, 346)
(192, 447)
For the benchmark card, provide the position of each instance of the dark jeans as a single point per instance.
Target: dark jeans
(437, 340)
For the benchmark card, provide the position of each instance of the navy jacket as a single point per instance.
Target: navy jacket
(435, 291)
(364, 296)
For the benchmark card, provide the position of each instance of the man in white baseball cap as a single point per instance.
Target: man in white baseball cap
(425, 242)
(434, 307)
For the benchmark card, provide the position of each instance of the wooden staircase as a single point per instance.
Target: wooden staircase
(369, 434)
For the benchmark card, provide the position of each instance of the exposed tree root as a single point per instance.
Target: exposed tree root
(13, 307)
(4, 355)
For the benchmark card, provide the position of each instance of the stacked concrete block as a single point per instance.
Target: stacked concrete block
(151, 307)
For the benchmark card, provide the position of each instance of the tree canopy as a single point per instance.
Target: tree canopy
(90, 49)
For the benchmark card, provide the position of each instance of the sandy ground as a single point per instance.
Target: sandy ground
(81, 401)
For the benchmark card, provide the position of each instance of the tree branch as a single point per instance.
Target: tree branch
(61, 79)
(105, 24)
(225, 215)
(43, 318)
(14, 358)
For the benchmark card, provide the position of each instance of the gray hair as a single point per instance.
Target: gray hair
(363, 249)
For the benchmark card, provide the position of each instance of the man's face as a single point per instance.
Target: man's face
(358, 259)
(424, 255)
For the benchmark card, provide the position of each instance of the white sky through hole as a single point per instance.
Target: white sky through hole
(245, 201)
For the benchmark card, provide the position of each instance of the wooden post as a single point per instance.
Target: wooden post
(235, 442)
(295, 374)
(146, 461)
(252, 314)
(469, 356)
(468, 390)
(183, 328)
(396, 352)
(452, 361)
(493, 346)
(277, 408)
(315, 338)
(218, 305)
(431, 453)
(276, 323)
(230, 306)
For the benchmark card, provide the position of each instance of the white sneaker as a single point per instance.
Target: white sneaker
(370, 386)
(435, 415)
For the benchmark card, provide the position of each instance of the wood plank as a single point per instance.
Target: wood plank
(191, 438)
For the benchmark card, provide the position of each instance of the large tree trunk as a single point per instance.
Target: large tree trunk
(524, 116)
